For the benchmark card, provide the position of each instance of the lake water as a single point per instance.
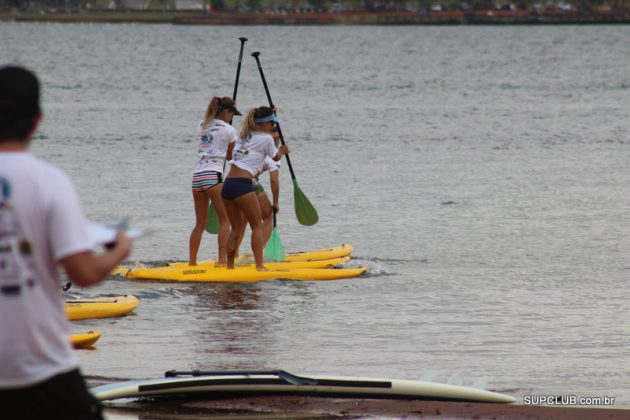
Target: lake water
(481, 173)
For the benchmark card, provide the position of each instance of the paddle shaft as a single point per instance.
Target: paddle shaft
(262, 76)
(238, 67)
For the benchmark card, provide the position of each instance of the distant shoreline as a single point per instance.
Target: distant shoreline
(525, 17)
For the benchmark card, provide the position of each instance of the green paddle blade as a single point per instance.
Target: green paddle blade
(304, 210)
(274, 251)
(212, 225)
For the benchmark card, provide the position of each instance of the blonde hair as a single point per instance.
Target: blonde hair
(214, 107)
(250, 124)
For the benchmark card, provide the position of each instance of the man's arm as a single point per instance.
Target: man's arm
(87, 268)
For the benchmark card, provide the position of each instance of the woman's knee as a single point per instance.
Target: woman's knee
(255, 224)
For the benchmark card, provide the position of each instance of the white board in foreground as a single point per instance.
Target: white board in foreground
(215, 384)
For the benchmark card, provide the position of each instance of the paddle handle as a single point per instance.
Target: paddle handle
(238, 67)
(256, 55)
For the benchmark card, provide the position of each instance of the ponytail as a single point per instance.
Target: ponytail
(250, 123)
(212, 110)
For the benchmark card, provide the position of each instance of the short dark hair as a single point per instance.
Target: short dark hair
(19, 102)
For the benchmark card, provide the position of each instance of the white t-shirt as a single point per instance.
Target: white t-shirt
(41, 221)
(270, 165)
(250, 154)
(212, 141)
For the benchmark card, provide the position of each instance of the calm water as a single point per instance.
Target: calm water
(481, 173)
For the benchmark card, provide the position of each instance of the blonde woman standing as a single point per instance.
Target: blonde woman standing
(253, 147)
(215, 140)
(267, 209)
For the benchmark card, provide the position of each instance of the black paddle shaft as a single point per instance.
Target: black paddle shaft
(238, 67)
(262, 76)
(282, 374)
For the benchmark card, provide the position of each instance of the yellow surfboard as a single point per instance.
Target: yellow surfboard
(343, 250)
(85, 340)
(285, 265)
(105, 307)
(239, 274)
(295, 267)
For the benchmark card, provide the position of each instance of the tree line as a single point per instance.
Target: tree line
(290, 6)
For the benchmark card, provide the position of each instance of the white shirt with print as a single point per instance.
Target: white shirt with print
(213, 140)
(41, 222)
(250, 154)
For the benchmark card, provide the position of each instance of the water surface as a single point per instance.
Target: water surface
(480, 172)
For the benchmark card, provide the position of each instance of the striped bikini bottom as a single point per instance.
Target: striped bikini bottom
(204, 180)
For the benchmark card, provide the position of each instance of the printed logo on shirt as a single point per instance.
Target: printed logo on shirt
(206, 138)
(14, 252)
(5, 191)
(240, 153)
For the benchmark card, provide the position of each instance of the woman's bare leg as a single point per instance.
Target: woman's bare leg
(201, 200)
(224, 222)
(267, 217)
(267, 221)
(248, 204)
(237, 227)
(241, 235)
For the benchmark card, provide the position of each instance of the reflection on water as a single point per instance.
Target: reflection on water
(235, 320)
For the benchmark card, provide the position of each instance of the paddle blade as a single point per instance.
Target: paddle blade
(304, 210)
(212, 225)
(274, 251)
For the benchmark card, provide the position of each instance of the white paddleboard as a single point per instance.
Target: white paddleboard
(198, 383)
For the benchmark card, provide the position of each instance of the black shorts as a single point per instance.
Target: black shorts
(64, 396)
(233, 188)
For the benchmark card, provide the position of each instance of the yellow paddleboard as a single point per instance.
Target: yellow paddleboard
(319, 258)
(316, 255)
(86, 340)
(343, 250)
(273, 265)
(105, 307)
(239, 274)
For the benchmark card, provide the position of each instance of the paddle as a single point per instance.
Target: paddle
(274, 250)
(304, 210)
(212, 225)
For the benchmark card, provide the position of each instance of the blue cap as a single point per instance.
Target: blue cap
(268, 118)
